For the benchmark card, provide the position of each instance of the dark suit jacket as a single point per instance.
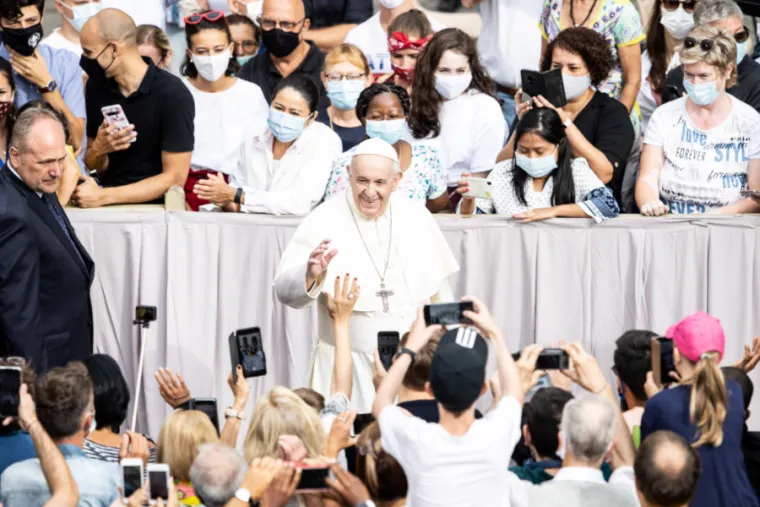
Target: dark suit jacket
(45, 311)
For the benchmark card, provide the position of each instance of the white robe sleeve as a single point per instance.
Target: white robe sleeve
(444, 294)
(290, 286)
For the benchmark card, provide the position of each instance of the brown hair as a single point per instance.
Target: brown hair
(418, 373)
(311, 397)
(721, 56)
(591, 46)
(709, 400)
(657, 49)
(154, 36)
(378, 470)
(180, 438)
(412, 23)
(63, 396)
(347, 53)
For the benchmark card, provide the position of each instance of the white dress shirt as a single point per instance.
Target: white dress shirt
(296, 184)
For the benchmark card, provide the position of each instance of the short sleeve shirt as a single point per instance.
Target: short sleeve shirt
(703, 170)
(618, 21)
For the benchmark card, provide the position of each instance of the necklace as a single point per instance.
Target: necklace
(572, 16)
(382, 293)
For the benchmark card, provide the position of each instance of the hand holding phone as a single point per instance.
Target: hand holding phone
(479, 188)
(447, 314)
(159, 480)
(132, 477)
(10, 387)
(247, 350)
(208, 407)
(663, 362)
(548, 85)
(313, 479)
(387, 346)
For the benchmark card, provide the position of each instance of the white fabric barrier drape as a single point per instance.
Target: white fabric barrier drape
(570, 279)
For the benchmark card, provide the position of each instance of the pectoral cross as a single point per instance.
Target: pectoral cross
(383, 294)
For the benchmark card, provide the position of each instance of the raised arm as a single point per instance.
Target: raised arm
(340, 306)
(240, 392)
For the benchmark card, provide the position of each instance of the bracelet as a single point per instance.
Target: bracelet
(567, 122)
(238, 195)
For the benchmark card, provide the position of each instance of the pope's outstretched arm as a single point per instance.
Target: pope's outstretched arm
(302, 271)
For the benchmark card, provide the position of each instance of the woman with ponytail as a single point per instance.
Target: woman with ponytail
(706, 410)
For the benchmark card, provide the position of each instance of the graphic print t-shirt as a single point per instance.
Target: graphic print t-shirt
(703, 169)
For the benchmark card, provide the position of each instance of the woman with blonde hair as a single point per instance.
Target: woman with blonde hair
(706, 410)
(153, 43)
(179, 440)
(345, 76)
(702, 150)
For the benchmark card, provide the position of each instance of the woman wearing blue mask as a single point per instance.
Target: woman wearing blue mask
(246, 35)
(702, 150)
(284, 170)
(385, 109)
(345, 76)
(544, 180)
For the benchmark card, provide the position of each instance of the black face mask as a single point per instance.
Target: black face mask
(92, 68)
(279, 42)
(23, 40)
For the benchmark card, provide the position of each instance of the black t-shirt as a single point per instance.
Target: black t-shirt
(746, 89)
(162, 111)
(351, 136)
(326, 13)
(261, 71)
(427, 410)
(606, 123)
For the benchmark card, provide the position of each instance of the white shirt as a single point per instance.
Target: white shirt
(510, 39)
(142, 12)
(223, 123)
(703, 170)
(646, 98)
(447, 470)
(473, 132)
(298, 184)
(373, 41)
(58, 41)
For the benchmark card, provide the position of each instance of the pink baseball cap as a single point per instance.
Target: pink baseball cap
(696, 334)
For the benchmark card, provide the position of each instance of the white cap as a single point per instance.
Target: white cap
(376, 147)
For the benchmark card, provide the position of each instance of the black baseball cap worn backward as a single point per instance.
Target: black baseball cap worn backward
(458, 370)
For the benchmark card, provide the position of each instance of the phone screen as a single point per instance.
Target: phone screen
(132, 480)
(10, 382)
(553, 359)
(208, 407)
(313, 479)
(447, 313)
(159, 487)
(667, 363)
(387, 346)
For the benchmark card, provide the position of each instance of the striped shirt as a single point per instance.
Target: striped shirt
(108, 453)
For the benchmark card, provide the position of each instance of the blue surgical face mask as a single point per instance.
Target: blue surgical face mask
(741, 51)
(285, 127)
(344, 93)
(82, 13)
(536, 167)
(702, 94)
(242, 60)
(389, 131)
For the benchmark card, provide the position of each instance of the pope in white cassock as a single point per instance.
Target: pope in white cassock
(391, 244)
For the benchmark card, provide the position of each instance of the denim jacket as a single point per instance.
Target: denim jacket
(24, 484)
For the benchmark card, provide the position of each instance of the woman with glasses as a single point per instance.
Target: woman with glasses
(407, 36)
(345, 76)
(246, 36)
(702, 150)
(385, 109)
(228, 110)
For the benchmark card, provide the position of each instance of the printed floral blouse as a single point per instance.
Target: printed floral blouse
(618, 21)
(424, 179)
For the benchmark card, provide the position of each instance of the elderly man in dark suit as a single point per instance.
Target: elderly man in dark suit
(45, 272)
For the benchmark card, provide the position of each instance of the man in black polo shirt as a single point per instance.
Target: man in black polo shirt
(139, 163)
(284, 25)
(331, 20)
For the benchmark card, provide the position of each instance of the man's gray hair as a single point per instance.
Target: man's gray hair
(217, 472)
(588, 424)
(708, 11)
(26, 121)
(396, 165)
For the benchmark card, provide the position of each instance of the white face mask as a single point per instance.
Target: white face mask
(678, 23)
(575, 85)
(451, 87)
(212, 67)
(82, 13)
(392, 4)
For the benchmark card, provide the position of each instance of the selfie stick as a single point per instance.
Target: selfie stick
(144, 324)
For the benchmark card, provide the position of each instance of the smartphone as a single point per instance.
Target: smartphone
(247, 349)
(312, 479)
(662, 361)
(208, 407)
(361, 422)
(10, 383)
(550, 359)
(547, 84)
(447, 313)
(750, 193)
(131, 476)
(158, 479)
(387, 346)
(479, 187)
(145, 313)
(114, 115)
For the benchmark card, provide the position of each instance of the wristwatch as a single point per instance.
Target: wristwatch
(404, 350)
(366, 503)
(231, 413)
(244, 495)
(50, 88)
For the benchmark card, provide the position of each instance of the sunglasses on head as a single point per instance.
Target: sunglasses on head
(212, 16)
(704, 44)
(671, 5)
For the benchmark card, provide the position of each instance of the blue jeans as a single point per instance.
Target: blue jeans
(507, 107)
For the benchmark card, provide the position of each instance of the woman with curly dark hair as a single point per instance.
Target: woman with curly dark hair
(598, 127)
(452, 101)
(384, 110)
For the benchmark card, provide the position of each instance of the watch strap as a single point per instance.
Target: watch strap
(238, 195)
(567, 122)
(51, 87)
(231, 413)
(404, 350)
(366, 503)
(243, 495)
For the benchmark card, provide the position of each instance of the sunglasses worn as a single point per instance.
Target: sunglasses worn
(704, 44)
(741, 37)
(212, 16)
(671, 5)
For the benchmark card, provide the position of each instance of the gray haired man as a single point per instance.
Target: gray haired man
(217, 473)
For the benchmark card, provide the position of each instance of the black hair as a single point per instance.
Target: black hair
(110, 390)
(633, 359)
(7, 70)
(188, 67)
(741, 378)
(11, 9)
(547, 124)
(666, 486)
(239, 19)
(542, 416)
(368, 94)
(304, 85)
(591, 46)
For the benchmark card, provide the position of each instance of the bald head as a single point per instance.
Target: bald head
(38, 148)
(667, 470)
(112, 25)
(283, 10)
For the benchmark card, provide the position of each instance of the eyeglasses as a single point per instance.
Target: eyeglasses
(671, 5)
(212, 16)
(704, 44)
(267, 24)
(334, 78)
(249, 45)
(741, 37)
